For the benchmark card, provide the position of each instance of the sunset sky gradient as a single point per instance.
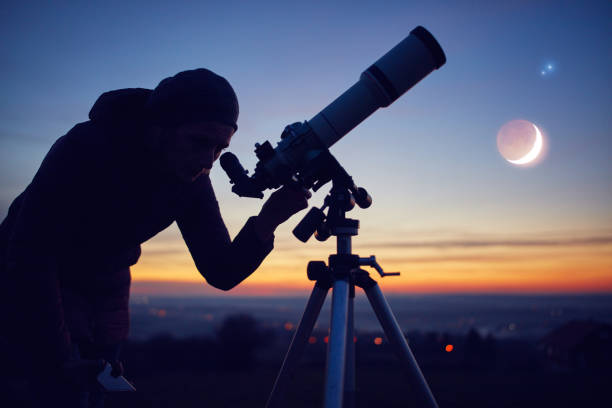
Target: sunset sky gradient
(449, 212)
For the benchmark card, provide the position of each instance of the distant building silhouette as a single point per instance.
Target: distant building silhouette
(579, 345)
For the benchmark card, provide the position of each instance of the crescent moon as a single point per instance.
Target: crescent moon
(535, 150)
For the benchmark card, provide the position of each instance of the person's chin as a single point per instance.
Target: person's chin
(202, 172)
(184, 176)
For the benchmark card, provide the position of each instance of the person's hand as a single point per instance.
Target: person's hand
(82, 374)
(117, 368)
(281, 205)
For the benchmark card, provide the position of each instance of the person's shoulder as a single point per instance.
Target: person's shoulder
(82, 147)
(93, 141)
(85, 135)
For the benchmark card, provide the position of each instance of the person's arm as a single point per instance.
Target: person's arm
(222, 262)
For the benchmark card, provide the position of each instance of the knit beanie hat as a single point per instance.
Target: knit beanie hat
(191, 96)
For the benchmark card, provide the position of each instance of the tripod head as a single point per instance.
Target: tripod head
(343, 196)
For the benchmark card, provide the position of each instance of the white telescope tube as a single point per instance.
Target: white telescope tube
(380, 85)
(415, 57)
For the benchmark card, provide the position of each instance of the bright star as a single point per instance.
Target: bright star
(547, 69)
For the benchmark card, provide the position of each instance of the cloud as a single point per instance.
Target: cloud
(456, 258)
(493, 242)
(165, 251)
(297, 249)
(200, 288)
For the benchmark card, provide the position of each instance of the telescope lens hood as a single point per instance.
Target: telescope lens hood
(431, 43)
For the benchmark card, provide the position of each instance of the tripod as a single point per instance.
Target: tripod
(343, 275)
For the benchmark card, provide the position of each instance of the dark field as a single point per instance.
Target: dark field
(515, 375)
(377, 387)
(226, 353)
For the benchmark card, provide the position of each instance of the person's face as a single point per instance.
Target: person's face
(192, 149)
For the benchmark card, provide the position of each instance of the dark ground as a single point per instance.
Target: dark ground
(236, 367)
(377, 387)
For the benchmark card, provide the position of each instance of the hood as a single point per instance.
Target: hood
(121, 105)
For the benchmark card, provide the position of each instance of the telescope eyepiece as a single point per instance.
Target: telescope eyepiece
(230, 163)
(243, 185)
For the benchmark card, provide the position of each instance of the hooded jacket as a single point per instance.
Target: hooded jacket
(68, 240)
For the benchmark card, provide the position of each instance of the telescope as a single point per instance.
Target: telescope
(302, 158)
(299, 156)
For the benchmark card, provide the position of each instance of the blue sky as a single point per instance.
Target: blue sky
(429, 160)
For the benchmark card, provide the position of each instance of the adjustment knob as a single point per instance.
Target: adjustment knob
(304, 230)
(316, 270)
(322, 233)
(362, 198)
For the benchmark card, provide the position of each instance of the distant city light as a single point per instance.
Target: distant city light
(326, 339)
(378, 341)
(157, 312)
(312, 340)
(449, 348)
(288, 326)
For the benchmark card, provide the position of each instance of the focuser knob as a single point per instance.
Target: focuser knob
(323, 232)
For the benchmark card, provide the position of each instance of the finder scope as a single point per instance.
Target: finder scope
(294, 159)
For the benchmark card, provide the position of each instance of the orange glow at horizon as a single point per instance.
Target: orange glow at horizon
(517, 265)
(550, 275)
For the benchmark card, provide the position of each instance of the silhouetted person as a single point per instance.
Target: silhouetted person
(138, 164)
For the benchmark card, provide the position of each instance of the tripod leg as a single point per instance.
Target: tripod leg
(398, 342)
(298, 344)
(349, 380)
(336, 350)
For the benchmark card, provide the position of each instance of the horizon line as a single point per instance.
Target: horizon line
(187, 288)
